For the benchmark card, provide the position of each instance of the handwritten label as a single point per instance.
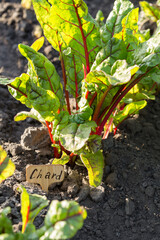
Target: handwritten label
(44, 175)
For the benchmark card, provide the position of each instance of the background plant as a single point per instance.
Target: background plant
(62, 220)
(110, 68)
(151, 11)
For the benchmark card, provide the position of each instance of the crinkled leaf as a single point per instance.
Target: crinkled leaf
(113, 23)
(69, 20)
(47, 77)
(68, 25)
(31, 205)
(82, 115)
(74, 73)
(18, 89)
(44, 101)
(7, 167)
(5, 222)
(130, 33)
(21, 116)
(63, 160)
(151, 11)
(121, 72)
(74, 136)
(129, 109)
(146, 48)
(94, 162)
(63, 220)
(113, 50)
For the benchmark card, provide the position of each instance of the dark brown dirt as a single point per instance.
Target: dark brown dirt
(127, 206)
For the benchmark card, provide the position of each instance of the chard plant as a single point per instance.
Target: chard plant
(109, 67)
(62, 221)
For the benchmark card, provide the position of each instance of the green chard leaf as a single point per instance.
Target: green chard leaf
(130, 33)
(5, 223)
(21, 116)
(60, 122)
(74, 33)
(5, 81)
(31, 205)
(99, 18)
(74, 136)
(74, 73)
(94, 162)
(43, 101)
(63, 220)
(18, 90)
(129, 109)
(151, 11)
(38, 44)
(73, 24)
(7, 167)
(82, 115)
(63, 160)
(113, 23)
(46, 75)
(113, 50)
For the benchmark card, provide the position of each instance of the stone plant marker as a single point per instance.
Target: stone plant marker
(44, 175)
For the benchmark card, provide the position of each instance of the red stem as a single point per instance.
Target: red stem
(114, 98)
(93, 98)
(108, 127)
(84, 40)
(56, 154)
(99, 105)
(115, 103)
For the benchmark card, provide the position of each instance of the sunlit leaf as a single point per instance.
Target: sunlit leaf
(7, 167)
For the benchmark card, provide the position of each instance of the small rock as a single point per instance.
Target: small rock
(35, 138)
(83, 194)
(149, 191)
(129, 207)
(44, 152)
(112, 179)
(84, 191)
(72, 189)
(19, 176)
(65, 185)
(97, 194)
(15, 149)
(48, 50)
(17, 227)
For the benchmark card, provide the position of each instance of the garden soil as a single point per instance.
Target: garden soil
(127, 204)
